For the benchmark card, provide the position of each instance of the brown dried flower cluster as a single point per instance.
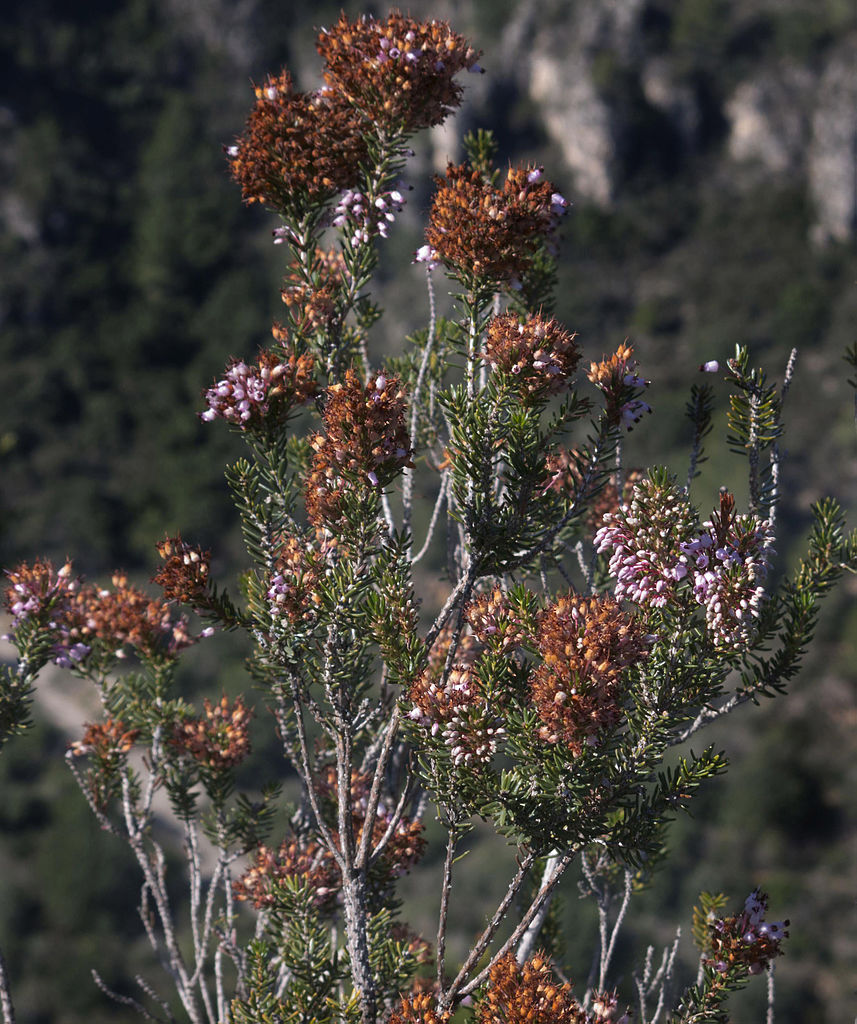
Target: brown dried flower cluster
(297, 147)
(455, 709)
(127, 617)
(540, 353)
(296, 858)
(80, 614)
(494, 622)
(585, 644)
(528, 994)
(399, 72)
(185, 574)
(491, 233)
(616, 376)
(365, 440)
(314, 308)
(219, 739)
(297, 571)
(106, 745)
(418, 1008)
(33, 589)
(105, 741)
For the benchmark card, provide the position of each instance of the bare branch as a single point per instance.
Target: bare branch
(6, 994)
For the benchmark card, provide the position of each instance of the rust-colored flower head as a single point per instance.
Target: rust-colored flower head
(314, 307)
(218, 740)
(540, 353)
(79, 615)
(616, 376)
(293, 589)
(528, 994)
(418, 1008)
(256, 395)
(494, 622)
(297, 148)
(302, 859)
(585, 644)
(365, 441)
(458, 711)
(106, 741)
(34, 589)
(398, 72)
(106, 746)
(185, 574)
(492, 234)
(126, 617)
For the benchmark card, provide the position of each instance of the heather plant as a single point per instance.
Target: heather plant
(594, 619)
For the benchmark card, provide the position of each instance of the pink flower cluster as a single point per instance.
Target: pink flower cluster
(657, 548)
(366, 219)
(746, 941)
(458, 712)
(242, 394)
(729, 577)
(38, 592)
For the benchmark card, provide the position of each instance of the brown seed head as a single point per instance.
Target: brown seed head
(585, 644)
(185, 574)
(540, 353)
(488, 233)
(297, 147)
(365, 441)
(398, 72)
(218, 740)
(528, 994)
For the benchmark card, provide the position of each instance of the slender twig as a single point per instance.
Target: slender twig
(154, 873)
(462, 587)
(489, 932)
(122, 1000)
(710, 714)
(153, 995)
(659, 983)
(362, 857)
(395, 819)
(445, 889)
(435, 515)
(408, 483)
(775, 449)
(543, 894)
(6, 994)
(769, 1015)
(608, 948)
(305, 771)
(528, 939)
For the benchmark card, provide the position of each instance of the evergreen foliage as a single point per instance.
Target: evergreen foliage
(379, 706)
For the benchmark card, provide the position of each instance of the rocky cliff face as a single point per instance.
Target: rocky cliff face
(788, 116)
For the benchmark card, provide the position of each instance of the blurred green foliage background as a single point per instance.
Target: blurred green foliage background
(131, 273)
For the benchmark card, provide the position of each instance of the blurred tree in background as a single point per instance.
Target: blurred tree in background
(131, 272)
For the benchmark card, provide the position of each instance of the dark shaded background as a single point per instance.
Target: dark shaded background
(705, 146)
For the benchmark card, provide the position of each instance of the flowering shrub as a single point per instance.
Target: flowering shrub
(592, 619)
